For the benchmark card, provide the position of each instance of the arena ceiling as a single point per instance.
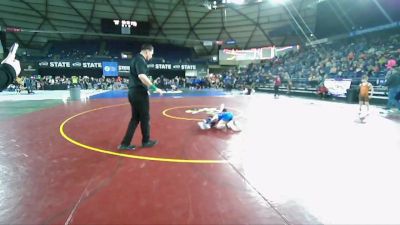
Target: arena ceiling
(179, 22)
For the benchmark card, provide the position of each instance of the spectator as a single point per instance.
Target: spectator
(393, 84)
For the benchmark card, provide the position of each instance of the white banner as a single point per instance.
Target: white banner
(337, 88)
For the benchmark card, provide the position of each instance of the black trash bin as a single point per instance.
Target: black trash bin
(352, 95)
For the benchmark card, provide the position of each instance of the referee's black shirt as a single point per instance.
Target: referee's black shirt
(138, 66)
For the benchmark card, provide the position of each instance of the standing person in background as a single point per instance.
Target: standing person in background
(139, 85)
(393, 84)
(277, 84)
(29, 85)
(289, 83)
(74, 81)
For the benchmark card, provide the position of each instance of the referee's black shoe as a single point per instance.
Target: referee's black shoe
(149, 143)
(126, 147)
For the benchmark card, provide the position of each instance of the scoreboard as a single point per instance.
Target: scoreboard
(246, 54)
(128, 27)
(232, 56)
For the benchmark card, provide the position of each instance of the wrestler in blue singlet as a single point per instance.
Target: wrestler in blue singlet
(225, 116)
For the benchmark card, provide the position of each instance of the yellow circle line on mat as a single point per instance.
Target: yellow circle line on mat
(181, 107)
(186, 118)
(171, 160)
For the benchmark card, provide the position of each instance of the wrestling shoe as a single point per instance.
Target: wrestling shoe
(126, 147)
(149, 143)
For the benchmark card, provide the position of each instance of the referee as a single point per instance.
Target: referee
(138, 96)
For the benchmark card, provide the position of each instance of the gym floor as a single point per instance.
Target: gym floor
(296, 161)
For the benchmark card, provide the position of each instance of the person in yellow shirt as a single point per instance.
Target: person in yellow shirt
(74, 81)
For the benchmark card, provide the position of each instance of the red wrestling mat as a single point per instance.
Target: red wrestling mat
(61, 166)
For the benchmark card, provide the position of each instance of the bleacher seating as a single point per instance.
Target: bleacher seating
(310, 66)
(77, 49)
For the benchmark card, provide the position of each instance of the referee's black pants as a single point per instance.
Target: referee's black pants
(140, 113)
